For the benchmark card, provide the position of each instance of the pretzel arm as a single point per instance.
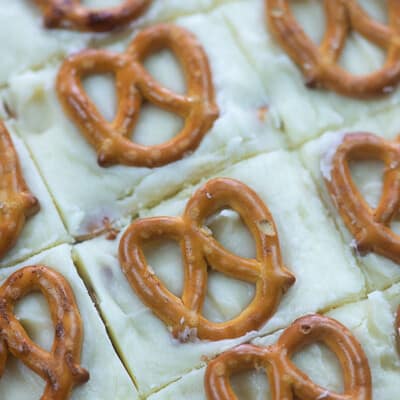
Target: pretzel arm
(376, 32)
(292, 37)
(71, 14)
(335, 33)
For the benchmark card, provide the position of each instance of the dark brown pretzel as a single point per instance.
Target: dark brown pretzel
(287, 382)
(370, 227)
(17, 203)
(134, 83)
(70, 14)
(60, 366)
(199, 250)
(320, 65)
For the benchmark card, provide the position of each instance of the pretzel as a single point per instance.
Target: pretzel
(59, 367)
(134, 83)
(16, 201)
(370, 227)
(320, 64)
(70, 14)
(287, 382)
(200, 250)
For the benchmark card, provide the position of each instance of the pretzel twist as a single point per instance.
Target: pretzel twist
(370, 227)
(134, 83)
(70, 14)
(320, 64)
(59, 367)
(287, 382)
(200, 250)
(16, 201)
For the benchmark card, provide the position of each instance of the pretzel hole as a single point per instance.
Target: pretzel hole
(360, 56)
(166, 69)
(40, 328)
(310, 16)
(165, 260)
(321, 365)
(228, 228)
(98, 4)
(101, 90)
(13, 384)
(155, 125)
(368, 178)
(251, 385)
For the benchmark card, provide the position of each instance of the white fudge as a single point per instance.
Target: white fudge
(311, 249)
(316, 155)
(108, 378)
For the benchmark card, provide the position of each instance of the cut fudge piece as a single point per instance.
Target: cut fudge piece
(372, 323)
(380, 272)
(88, 195)
(306, 113)
(311, 248)
(108, 378)
(45, 228)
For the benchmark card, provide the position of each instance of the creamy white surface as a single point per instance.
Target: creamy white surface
(108, 378)
(306, 113)
(86, 193)
(43, 230)
(372, 323)
(311, 248)
(379, 271)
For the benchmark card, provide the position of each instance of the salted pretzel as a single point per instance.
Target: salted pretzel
(16, 201)
(200, 250)
(134, 83)
(288, 382)
(59, 367)
(320, 64)
(370, 227)
(71, 14)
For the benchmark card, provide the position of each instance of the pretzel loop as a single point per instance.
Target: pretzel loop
(319, 64)
(370, 227)
(60, 366)
(134, 83)
(17, 203)
(199, 249)
(71, 14)
(287, 382)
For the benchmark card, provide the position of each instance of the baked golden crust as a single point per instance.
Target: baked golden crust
(320, 64)
(286, 380)
(17, 203)
(370, 227)
(201, 250)
(71, 14)
(134, 83)
(60, 366)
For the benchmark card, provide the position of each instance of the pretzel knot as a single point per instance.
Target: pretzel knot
(370, 227)
(320, 64)
(59, 367)
(287, 382)
(200, 250)
(134, 83)
(16, 201)
(71, 14)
